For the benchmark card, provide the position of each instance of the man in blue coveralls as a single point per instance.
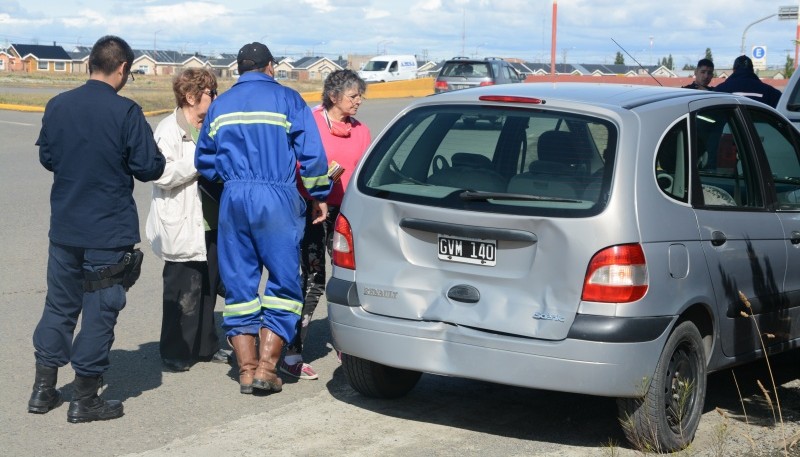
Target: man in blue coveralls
(252, 139)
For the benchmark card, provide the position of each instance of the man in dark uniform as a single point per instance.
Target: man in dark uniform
(744, 81)
(702, 75)
(95, 142)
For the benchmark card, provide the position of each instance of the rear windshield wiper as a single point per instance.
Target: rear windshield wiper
(471, 195)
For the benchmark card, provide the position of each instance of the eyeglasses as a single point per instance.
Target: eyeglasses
(354, 97)
(211, 93)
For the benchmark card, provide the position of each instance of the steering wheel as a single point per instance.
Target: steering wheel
(439, 163)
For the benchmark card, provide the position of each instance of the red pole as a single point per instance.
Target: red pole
(797, 41)
(553, 40)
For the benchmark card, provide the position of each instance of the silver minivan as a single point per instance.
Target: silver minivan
(602, 239)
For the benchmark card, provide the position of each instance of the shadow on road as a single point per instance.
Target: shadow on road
(133, 373)
(568, 419)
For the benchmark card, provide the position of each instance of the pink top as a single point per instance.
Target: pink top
(346, 151)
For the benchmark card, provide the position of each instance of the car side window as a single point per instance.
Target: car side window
(779, 143)
(724, 162)
(671, 163)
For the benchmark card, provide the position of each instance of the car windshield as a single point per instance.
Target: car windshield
(489, 158)
(466, 69)
(375, 65)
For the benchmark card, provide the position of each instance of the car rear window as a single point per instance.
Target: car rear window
(466, 69)
(490, 158)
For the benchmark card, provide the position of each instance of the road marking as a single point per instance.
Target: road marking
(17, 123)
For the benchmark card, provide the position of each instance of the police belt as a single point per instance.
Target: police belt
(126, 273)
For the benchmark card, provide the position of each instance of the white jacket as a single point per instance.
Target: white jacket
(175, 227)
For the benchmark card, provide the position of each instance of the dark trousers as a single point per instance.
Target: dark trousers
(66, 301)
(316, 241)
(188, 330)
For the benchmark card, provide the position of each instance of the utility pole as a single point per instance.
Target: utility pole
(463, 29)
(553, 40)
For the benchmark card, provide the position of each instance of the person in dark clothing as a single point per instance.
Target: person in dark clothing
(744, 81)
(703, 74)
(95, 142)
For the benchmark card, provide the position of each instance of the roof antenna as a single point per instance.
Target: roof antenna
(640, 65)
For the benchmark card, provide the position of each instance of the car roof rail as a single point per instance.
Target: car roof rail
(460, 58)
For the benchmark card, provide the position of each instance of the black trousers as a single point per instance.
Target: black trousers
(316, 241)
(188, 330)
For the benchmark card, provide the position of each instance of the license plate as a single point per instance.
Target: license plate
(459, 86)
(468, 250)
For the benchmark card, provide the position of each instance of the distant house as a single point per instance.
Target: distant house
(80, 59)
(306, 69)
(428, 69)
(35, 57)
(223, 65)
(6, 60)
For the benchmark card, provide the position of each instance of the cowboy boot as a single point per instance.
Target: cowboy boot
(244, 346)
(45, 396)
(87, 406)
(269, 349)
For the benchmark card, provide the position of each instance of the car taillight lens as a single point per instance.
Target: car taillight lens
(343, 254)
(617, 274)
(487, 83)
(441, 85)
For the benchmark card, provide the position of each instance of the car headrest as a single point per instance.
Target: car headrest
(466, 159)
(563, 147)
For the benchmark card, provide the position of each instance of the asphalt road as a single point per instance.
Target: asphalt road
(201, 412)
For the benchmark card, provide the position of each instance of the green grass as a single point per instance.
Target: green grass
(152, 93)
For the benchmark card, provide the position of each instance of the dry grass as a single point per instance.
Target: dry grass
(153, 93)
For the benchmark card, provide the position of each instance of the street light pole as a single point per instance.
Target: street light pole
(752, 24)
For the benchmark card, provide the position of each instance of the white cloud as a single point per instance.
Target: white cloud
(436, 28)
(374, 13)
(319, 5)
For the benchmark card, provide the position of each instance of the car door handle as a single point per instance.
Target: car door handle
(718, 238)
(795, 239)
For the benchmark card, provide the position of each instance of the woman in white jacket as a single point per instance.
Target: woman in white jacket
(181, 229)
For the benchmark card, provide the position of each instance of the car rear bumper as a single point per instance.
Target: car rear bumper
(570, 365)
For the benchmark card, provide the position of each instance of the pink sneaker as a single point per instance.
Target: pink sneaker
(298, 370)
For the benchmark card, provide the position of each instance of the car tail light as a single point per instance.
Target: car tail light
(487, 83)
(617, 274)
(510, 99)
(441, 85)
(343, 254)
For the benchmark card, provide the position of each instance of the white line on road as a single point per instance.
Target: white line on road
(17, 123)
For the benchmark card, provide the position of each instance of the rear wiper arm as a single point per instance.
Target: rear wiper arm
(471, 195)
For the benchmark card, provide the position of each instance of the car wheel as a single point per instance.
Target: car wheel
(665, 419)
(375, 380)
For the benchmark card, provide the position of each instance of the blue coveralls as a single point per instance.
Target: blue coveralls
(252, 139)
(95, 142)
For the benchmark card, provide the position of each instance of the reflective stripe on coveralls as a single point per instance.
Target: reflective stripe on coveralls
(253, 306)
(257, 117)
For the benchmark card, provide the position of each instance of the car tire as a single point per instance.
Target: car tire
(375, 380)
(665, 419)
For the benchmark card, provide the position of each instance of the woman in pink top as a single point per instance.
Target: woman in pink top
(345, 140)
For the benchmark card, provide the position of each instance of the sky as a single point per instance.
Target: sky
(646, 30)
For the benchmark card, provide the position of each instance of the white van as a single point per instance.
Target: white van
(389, 68)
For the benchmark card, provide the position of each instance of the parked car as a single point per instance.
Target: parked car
(789, 103)
(464, 73)
(601, 239)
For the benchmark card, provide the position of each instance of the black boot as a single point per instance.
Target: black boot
(87, 406)
(45, 396)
